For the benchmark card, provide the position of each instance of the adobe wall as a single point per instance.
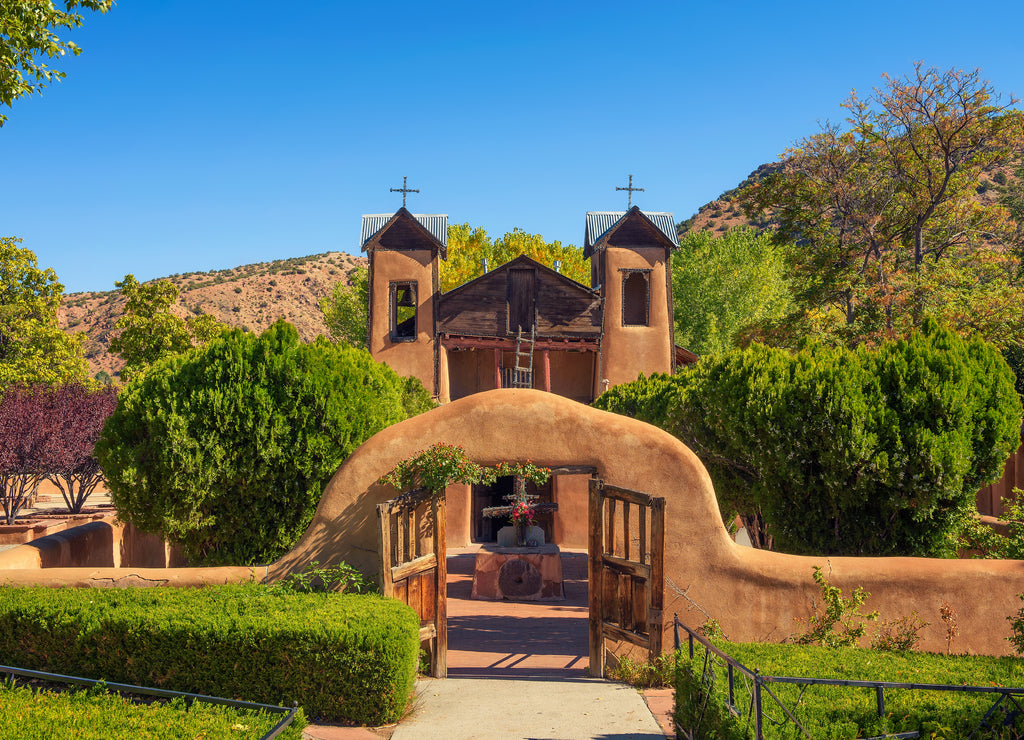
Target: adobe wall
(754, 595)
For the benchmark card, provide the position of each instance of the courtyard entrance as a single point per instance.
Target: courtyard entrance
(613, 592)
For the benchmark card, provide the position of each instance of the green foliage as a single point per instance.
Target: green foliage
(225, 450)
(442, 464)
(722, 286)
(40, 714)
(843, 712)
(328, 578)
(983, 541)
(345, 308)
(467, 246)
(883, 220)
(645, 674)
(899, 634)
(149, 331)
(1016, 621)
(841, 622)
(855, 452)
(29, 33)
(342, 657)
(33, 348)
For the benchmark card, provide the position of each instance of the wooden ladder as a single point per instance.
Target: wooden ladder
(522, 377)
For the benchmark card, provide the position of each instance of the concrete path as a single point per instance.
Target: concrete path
(500, 708)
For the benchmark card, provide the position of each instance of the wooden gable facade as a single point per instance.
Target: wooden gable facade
(525, 306)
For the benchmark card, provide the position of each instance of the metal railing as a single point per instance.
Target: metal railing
(122, 688)
(757, 686)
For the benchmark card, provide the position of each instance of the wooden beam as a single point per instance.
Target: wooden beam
(547, 369)
(573, 470)
(617, 633)
(595, 621)
(414, 567)
(387, 585)
(439, 660)
(629, 567)
(497, 367)
(625, 494)
(509, 345)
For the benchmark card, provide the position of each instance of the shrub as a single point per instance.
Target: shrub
(847, 712)
(853, 452)
(840, 622)
(95, 714)
(342, 657)
(225, 450)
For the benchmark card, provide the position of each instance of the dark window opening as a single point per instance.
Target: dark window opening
(636, 297)
(403, 312)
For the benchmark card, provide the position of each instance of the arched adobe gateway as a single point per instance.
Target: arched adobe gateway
(754, 595)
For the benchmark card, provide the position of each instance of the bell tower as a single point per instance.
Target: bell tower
(403, 250)
(630, 254)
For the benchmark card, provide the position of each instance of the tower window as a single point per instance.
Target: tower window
(403, 312)
(636, 297)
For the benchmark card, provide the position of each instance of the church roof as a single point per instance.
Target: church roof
(436, 224)
(600, 223)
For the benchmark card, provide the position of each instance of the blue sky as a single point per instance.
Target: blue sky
(198, 135)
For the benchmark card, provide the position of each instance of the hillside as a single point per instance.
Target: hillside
(724, 212)
(251, 296)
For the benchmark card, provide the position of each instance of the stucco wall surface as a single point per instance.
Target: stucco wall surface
(754, 595)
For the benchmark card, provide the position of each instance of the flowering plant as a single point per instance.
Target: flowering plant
(434, 469)
(443, 464)
(523, 513)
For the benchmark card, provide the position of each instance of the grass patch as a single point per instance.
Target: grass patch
(833, 713)
(30, 713)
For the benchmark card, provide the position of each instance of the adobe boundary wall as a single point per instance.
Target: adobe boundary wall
(753, 594)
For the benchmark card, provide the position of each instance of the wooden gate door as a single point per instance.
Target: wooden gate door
(626, 570)
(411, 535)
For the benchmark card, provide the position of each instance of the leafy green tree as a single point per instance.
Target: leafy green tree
(225, 450)
(722, 286)
(849, 452)
(467, 246)
(345, 308)
(873, 210)
(33, 349)
(149, 331)
(29, 33)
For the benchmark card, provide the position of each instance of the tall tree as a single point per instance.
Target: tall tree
(75, 415)
(33, 349)
(149, 331)
(872, 209)
(467, 246)
(722, 286)
(345, 308)
(29, 32)
(23, 420)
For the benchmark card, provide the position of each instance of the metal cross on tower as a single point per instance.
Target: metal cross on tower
(631, 190)
(405, 190)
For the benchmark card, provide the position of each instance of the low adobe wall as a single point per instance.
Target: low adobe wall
(754, 595)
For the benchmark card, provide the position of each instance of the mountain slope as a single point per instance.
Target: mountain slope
(250, 296)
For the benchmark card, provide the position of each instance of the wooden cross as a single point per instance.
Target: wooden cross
(519, 495)
(631, 190)
(405, 190)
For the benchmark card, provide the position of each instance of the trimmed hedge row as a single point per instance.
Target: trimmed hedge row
(340, 656)
(834, 713)
(85, 714)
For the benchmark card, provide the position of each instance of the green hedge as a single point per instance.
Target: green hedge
(340, 656)
(30, 714)
(831, 712)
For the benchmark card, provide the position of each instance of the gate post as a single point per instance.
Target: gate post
(594, 575)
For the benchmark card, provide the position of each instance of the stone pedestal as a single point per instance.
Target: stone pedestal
(518, 573)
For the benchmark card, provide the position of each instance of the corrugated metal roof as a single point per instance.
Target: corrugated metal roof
(599, 222)
(436, 224)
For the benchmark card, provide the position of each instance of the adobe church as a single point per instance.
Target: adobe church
(522, 324)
